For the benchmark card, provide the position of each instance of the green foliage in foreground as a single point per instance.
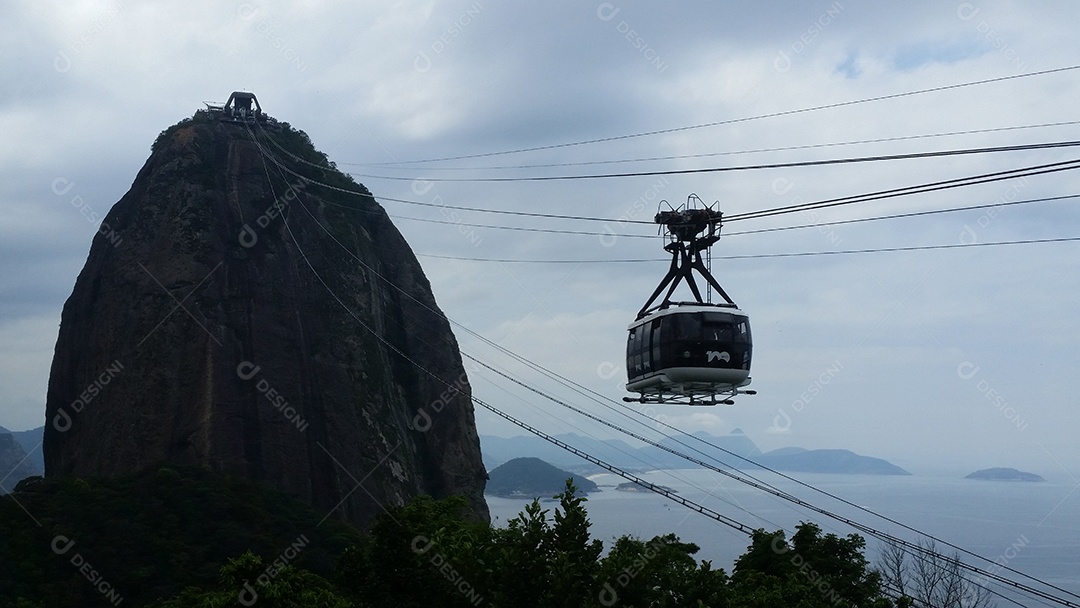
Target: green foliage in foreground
(425, 554)
(140, 537)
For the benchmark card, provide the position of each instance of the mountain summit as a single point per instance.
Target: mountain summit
(247, 308)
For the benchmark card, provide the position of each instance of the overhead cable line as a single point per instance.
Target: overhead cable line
(665, 492)
(983, 178)
(867, 529)
(772, 490)
(906, 215)
(753, 255)
(390, 165)
(371, 197)
(630, 477)
(606, 402)
(737, 233)
(492, 226)
(787, 165)
(971, 180)
(748, 118)
(933, 186)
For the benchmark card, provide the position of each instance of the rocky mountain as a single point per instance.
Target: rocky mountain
(533, 478)
(247, 308)
(1003, 474)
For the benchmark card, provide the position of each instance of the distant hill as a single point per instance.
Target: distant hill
(1003, 474)
(497, 450)
(31, 444)
(828, 461)
(532, 478)
(14, 463)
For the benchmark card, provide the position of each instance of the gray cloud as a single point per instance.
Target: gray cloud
(501, 76)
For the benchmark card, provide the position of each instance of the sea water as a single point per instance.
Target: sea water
(1033, 527)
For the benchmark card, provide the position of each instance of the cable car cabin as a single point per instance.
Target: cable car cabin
(690, 351)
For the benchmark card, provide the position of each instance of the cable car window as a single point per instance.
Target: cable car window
(657, 337)
(687, 327)
(644, 345)
(719, 317)
(719, 333)
(743, 332)
(630, 342)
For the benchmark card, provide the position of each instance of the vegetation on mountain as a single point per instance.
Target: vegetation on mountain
(149, 535)
(532, 477)
(189, 538)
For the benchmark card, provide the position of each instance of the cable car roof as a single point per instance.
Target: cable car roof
(688, 307)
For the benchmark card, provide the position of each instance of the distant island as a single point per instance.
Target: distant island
(633, 486)
(827, 461)
(1004, 474)
(730, 449)
(532, 478)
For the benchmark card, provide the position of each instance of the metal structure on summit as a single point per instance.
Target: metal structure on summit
(239, 109)
(689, 352)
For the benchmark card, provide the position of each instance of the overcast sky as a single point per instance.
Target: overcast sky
(957, 358)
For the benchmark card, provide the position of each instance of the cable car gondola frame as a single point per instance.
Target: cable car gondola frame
(689, 353)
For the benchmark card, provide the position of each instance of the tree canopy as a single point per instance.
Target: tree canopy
(172, 531)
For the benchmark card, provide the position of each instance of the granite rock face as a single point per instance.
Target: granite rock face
(237, 316)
